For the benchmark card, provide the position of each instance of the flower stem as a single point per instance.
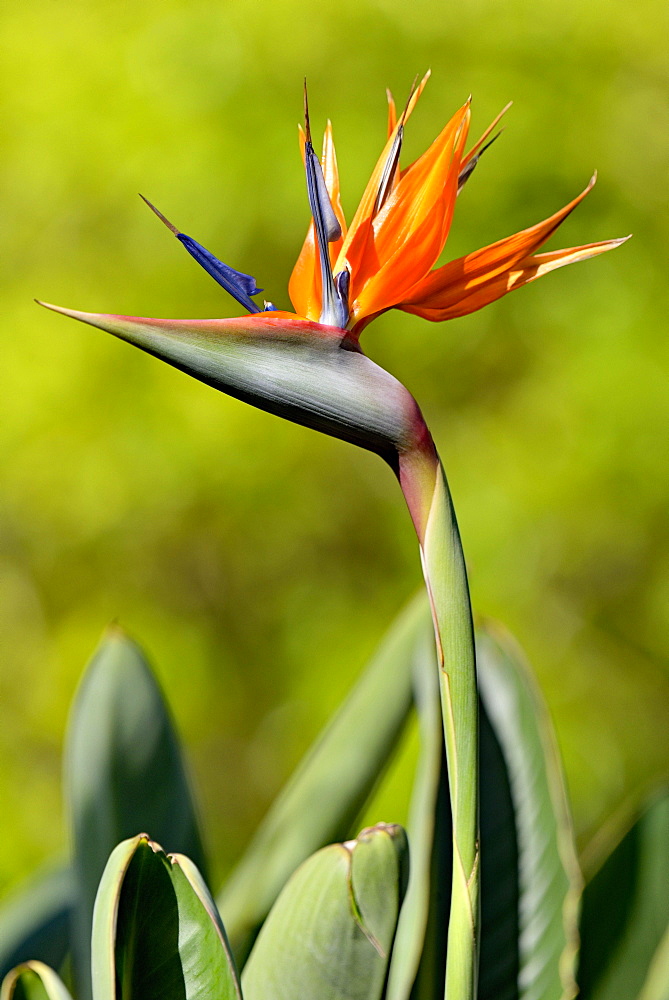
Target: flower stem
(426, 490)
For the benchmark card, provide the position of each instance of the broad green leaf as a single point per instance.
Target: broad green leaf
(626, 910)
(33, 981)
(156, 932)
(123, 772)
(329, 934)
(418, 965)
(656, 986)
(35, 921)
(329, 789)
(530, 881)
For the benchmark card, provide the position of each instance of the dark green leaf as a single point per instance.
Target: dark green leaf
(626, 911)
(329, 788)
(530, 881)
(124, 773)
(329, 934)
(35, 922)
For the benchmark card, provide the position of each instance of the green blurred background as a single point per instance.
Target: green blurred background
(258, 563)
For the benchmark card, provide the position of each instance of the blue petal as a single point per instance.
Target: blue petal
(241, 286)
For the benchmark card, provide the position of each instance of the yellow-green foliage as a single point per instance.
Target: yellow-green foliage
(257, 562)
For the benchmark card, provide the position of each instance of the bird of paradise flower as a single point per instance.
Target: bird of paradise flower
(308, 366)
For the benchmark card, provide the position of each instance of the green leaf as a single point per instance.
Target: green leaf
(330, 787)
(626, 910)
(124, 772)
(35, 922)
(156, 932)
(418, 966)
(329, 934)
(656, 986)
(530, 881)
(33, 981)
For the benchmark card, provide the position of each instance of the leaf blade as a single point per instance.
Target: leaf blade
(124, 772)
(626, 909)
(549, 881)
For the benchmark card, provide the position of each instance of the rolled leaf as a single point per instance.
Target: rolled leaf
(33, 981)
(530, 881)
(35, 921)
(626, 913)
(156, 932)
(329, 934)
(123, 772)
(330, 787)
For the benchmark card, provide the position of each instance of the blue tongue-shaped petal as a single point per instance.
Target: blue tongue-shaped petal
(238, 284)
(241, 286)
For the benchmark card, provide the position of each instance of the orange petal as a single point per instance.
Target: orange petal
(419, 194)
(410, 231)
(363, 215)
(392, 113)
(458, 301)
(331, 175)
(460, 277)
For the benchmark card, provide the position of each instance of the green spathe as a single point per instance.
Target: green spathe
(307, 372)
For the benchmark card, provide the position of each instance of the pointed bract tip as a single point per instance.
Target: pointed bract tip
(490, 142)
(101, 320)
(114, 631)
(160, 215)
(49, 305)
(307, 126)
(412, 91)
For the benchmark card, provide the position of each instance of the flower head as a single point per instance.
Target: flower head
(400, 228)
(345, 276)
(307, 365)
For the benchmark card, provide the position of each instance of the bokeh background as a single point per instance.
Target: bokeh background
(258, 563)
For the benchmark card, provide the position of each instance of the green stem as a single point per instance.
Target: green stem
(426, 490)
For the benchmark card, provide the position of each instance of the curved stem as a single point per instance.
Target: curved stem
(427, 494)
